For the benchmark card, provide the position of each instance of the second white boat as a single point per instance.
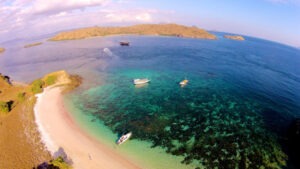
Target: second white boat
(140, 81)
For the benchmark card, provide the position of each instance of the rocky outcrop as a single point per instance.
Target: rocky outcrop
(234, 37)
(32, 44)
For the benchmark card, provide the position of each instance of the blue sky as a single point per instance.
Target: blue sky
(276, 20)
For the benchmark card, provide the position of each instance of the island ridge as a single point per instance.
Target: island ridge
(144, 29)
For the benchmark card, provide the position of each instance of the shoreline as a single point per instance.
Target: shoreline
(58, 130)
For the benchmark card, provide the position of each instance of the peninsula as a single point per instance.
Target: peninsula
(2, 50)
(33, 44)
(234, 37)
(20, 142)
(38, 132)
(143, 29)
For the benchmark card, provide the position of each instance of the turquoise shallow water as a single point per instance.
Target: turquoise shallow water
(234, 112)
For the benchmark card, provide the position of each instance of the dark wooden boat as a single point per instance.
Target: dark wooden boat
(124, 43)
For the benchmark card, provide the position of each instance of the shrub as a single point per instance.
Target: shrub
(60, 163)
(37, 86)
(4, 107)
(50, 80)
(21, 96)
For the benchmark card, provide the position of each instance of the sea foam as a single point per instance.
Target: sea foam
(45, 137)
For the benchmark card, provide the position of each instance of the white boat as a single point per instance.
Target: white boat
(124, 138)
(140, 81)
(184, 82)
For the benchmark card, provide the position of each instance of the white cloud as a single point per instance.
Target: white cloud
(19, 18)
(129, 16)
(54, 6)
(144, 17)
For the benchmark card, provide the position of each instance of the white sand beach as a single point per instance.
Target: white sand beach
(58, 130)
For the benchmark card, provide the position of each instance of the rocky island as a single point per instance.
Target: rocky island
(234, 37)
(33, 44)
(143, 29)
(2, 50)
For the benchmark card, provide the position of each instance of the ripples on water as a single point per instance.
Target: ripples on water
(234, 112)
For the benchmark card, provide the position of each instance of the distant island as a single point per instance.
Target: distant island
(234, 37)
(2, 50)
(143, 29)
(33, 44)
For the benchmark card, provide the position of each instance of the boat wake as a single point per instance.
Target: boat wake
(108, 52)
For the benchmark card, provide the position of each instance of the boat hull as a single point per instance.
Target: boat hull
(124, 138)
(124, 43)
(140, 81)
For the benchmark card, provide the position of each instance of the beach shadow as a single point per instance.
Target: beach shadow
(61, 153)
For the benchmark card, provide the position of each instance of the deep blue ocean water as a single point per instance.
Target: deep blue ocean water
(235, 112)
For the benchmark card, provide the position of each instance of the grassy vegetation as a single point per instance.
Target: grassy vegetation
(60, 163)
(144, 29)
(50, 80)
(32, 44)
(37, 86)
(4, 107)
(21, 96)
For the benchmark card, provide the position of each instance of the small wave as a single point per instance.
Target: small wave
(45, 137)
